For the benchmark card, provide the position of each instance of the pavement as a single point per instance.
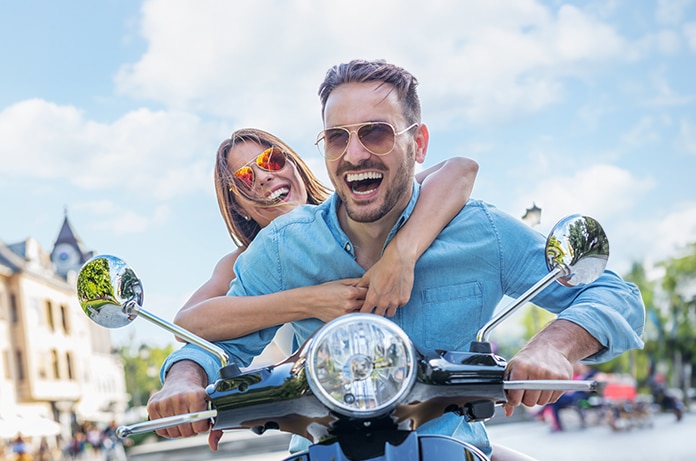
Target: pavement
(664, 439)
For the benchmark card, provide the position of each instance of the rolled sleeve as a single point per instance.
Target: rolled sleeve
(207, 361)
(612, 311)
(240, 351)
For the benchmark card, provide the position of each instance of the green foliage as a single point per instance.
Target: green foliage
(94, 282)
(670, 329)
(141, 366)
(670, 304)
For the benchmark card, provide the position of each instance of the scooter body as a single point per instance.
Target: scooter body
(358, 388)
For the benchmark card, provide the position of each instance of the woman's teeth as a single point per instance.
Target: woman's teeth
(278, 193)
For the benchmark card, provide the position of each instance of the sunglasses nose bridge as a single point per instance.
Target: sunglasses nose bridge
(355, 149)
(263, 175)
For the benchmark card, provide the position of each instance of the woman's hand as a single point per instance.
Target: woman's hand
(336, 298)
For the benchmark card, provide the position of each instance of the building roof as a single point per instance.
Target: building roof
(10, 261)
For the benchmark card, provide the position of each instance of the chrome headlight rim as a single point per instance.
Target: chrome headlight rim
(374, 321)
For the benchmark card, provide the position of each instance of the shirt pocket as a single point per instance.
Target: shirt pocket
(453, 314)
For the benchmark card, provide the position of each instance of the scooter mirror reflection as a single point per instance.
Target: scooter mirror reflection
(111, 294)
(579, 247)
(109, 291)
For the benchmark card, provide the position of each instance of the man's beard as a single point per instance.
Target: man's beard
(402, 184)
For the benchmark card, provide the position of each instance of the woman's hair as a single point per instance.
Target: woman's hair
(241, 230)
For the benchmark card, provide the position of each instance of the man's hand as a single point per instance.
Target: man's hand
(183, 392)
(535, 362)
(549, 355)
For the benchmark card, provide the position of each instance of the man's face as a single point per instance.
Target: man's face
(369, 185)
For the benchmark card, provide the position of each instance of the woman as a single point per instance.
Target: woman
(258, 178)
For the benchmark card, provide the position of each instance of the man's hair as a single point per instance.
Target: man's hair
(361, 71)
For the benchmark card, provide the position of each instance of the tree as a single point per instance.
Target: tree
(679, 285)
(142, 371)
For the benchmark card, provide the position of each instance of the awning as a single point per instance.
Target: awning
(31, 426)
(7, 430)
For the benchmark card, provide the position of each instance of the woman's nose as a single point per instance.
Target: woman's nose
(263, 176)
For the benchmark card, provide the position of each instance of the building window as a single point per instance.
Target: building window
(55, 363)
(14, 313)
(20, 365)
(6, 364)
(68, 359)
(64, 318)
(49, 316)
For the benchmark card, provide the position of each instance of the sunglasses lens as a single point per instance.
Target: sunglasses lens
(271, 159)
(377, 137)
(245, 175)
(335, 142)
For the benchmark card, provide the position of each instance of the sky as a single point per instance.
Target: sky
(113, 111)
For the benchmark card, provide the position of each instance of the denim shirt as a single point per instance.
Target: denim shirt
(482, 255)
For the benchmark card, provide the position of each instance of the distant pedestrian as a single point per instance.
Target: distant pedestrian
(20, 449)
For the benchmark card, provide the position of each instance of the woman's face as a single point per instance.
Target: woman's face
(284, 186)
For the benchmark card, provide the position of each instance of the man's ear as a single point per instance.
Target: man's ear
(422, 137)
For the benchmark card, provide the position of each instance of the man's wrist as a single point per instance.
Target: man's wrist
(187, 370)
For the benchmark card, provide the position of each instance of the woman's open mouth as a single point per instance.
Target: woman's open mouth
(280, 194)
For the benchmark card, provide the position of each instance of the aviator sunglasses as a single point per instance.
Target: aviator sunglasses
(271, 159)
(378, 138)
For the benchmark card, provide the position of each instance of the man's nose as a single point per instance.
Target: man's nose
(355, 151)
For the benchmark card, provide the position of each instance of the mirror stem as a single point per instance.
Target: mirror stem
(133, 306)
(485, 331)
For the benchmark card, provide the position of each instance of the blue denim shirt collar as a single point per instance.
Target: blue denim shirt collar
(342, 238)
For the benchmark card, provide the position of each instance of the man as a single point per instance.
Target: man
(373, 136)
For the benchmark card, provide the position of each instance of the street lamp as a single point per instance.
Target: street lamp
(532, 216)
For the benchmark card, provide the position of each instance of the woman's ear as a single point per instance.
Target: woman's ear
(422, 137)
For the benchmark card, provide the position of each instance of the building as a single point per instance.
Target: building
(57, 368)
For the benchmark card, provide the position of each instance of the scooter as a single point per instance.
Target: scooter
(358, 388)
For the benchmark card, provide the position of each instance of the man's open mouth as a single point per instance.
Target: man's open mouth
(364, 183)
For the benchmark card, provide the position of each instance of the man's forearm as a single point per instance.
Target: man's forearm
(572, 340)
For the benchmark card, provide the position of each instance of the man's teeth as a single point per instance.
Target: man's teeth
(278, 192)
(352, 177)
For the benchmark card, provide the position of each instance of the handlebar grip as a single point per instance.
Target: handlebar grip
(552, 385)
(162, 423)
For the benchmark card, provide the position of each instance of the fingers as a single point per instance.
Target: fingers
(163, 404)
(535, 366)
(214, 439)
(388, 310)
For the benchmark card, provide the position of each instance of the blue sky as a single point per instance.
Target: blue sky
(114, 110)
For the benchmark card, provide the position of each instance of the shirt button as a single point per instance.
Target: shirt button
(347, 247)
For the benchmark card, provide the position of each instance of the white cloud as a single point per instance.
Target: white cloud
(686, 142)
(689, 30)
(112, 217)
(670, 233)
(668, 42)
(158, 154)
(487, 59)
(670, 12)
(644, 132)
(601, 191)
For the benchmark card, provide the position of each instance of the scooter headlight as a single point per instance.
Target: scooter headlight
(361, 365)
